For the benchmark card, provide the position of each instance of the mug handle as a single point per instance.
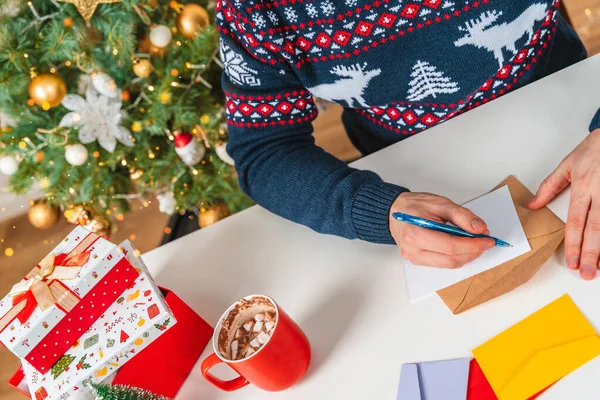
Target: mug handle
(228, 386)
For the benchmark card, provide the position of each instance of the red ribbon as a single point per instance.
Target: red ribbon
(31, 303)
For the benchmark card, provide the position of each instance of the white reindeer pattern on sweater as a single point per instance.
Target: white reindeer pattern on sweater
(501, 36)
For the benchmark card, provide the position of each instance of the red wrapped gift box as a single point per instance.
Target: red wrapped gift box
(178, 351)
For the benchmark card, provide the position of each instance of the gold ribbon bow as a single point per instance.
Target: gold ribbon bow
(47, 271)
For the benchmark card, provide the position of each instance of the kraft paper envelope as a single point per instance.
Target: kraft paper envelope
(538, 351)
(544, 230)
(435, 380)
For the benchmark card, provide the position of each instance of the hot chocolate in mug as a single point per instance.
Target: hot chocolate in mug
(270, 350)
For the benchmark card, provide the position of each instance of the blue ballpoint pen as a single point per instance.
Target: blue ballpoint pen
(449, 229)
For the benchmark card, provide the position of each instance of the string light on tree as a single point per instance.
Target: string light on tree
(76, 154)
(99, 225)
(47, 89)
(136, 126)
(188, 148)
(192, 20)
(165, 97)
(213, 213)
(42, 215)
(68, 22)
(160, 36)
(79, 214)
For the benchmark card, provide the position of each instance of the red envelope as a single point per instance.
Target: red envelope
(172, 356)
(479, 387)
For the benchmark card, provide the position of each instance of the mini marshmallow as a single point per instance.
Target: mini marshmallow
(248, 325)
(249, 352)
(258, 326)
(269, 325)
(239, 334)
(234, 349)
(259, 317)
(262, 338)
(254, 343)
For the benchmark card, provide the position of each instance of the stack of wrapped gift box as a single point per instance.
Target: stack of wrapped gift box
(90, 310)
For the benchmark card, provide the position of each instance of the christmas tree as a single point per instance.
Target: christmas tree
(119, 392)
(104, 102)
(62, 365)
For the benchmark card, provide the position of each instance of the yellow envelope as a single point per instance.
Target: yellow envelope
(538, 351)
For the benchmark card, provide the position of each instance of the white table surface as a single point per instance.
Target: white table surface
(350, 296)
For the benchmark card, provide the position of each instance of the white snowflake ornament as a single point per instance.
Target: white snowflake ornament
(98, 117)
(105, 85)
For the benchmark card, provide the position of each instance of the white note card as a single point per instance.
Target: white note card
(498, 211)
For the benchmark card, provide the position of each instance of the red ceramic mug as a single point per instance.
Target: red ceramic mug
(279, 364)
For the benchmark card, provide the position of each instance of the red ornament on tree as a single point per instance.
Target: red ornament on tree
(188, 148)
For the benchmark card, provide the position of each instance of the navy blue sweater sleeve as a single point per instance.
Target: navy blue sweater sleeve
(269, 114)
(595, 124)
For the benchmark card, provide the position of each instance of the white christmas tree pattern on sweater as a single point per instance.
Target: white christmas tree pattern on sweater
(428, 81)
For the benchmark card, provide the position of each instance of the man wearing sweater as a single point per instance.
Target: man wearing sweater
(397, 67)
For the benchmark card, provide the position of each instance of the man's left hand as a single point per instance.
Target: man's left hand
(581, 168)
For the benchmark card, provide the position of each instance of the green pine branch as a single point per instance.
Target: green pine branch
(116, 34)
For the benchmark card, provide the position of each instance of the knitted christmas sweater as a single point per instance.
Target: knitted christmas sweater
(397, 66)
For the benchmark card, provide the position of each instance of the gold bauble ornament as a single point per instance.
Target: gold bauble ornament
(212, 214)
(47, 90)
(42, 215)
(192, 19)
(143, 68)
(79, 214)
(87, 7)
(100, 225)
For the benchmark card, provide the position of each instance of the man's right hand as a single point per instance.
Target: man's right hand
(436, 249)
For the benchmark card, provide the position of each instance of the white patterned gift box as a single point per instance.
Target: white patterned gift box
(130, 324)
(62, 296)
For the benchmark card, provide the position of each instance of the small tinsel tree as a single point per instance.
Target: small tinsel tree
(120, 392)
(104, 103)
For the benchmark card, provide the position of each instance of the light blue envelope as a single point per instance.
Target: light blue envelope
(436, 380)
